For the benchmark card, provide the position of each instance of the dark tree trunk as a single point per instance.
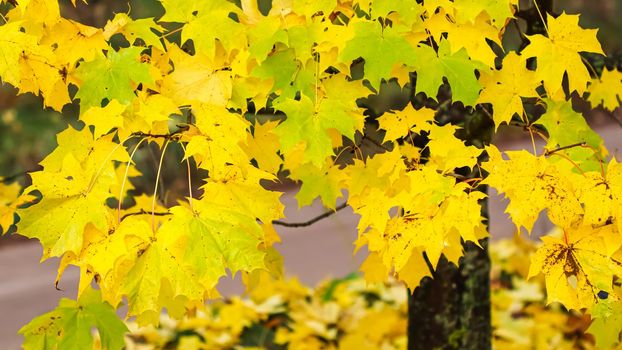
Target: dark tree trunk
(452, 310)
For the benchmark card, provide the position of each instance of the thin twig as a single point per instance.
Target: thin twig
(174, 136)
(578, 144)
(311, 221)
(144, 212)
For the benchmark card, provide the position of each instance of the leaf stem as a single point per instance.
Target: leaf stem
(92, 183)
(127, 170)
(157, 182)
(189, 177)
(546, 27)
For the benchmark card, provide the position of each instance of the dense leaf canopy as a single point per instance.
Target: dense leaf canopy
(308, 64)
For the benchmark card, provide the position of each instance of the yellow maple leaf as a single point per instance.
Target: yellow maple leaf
(105, 118)
(504, 88)
(576, 266)
(559, 53)
(399, 123)
(472, 36)
(75, 182)
(415, 270)
(373, 269)
(72, 41)
(195, 79)
(263, 146)
(14, 42)
(155, 107)
(533, 183)
(10, 199)
(448, 152)
(607, 90)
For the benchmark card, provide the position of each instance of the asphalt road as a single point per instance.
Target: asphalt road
(311, 253)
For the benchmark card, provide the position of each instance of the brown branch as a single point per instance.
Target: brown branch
(578, 144)
(311, 221)
(144, 212)
(174, 136)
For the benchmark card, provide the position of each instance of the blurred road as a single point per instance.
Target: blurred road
(311, 253)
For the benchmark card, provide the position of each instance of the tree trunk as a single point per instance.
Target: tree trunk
(452, 310)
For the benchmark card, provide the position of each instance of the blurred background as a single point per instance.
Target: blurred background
(27, 135)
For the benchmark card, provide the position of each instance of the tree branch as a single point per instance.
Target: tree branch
(578, 144)
(143, 212)
(311, 221)
(174, 136)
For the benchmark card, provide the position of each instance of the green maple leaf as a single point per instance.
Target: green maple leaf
(111, 77)
(309, 122)
(457, 68)
(607, 322)
(280, 66)
(558, 120)
(381, 48)
(187, 256)
(58, 220)
(69, 325)
(74, 184)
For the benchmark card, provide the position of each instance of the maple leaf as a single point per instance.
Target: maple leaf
(263, 146)
(195, 79)
(105, 118)
(327, 187)
(448, 152)
(498, 10)
(242, 193)
(37, 12)
(533, 183)
(10, 199)
(457, 68)
(370, 190)
(39, 72)
(111, 77)
(472, 36)
(155, 107)
(575, 266)
(70, 324)
(504, 88)
(558, 119)
(415, 269)
(72, 41)
(559, 53)
(212, 24)
(600, 195)
(74, 184)
(605, 90)
(68, 205)
(309, 121)
(606, 321)
(373, 268)
(381, 48)
(217, 144)
(399, 123)
(14, 42)
(134, 29)
(186, 257)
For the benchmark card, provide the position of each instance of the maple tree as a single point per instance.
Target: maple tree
(198, 78)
